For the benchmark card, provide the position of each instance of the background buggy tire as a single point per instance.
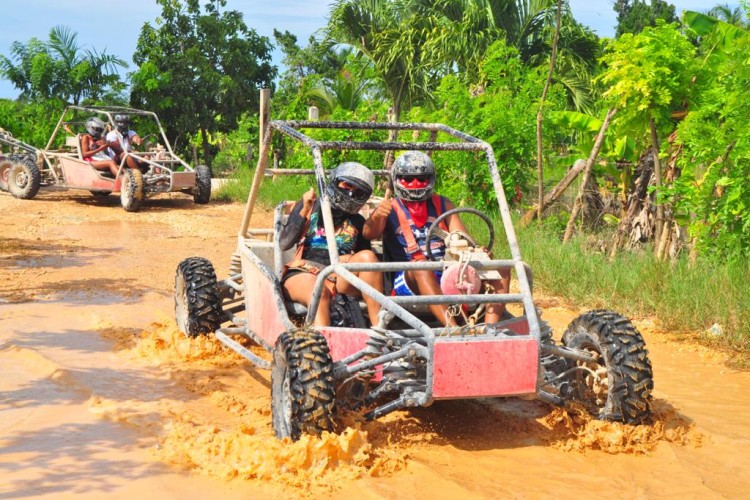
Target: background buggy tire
(131, 190)
(302, 391)
(620, 387)
(197, 304)
(202, 189)
(23, 179)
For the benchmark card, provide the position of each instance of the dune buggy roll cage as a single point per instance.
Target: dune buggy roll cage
(391, 304)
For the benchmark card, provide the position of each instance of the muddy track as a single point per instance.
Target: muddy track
(101, 395)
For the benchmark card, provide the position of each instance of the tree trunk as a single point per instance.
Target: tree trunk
(204, 140)
(587, 173)
(556, 192)
(657, 184)
(636, 225)
(393, 116)
(540, 113)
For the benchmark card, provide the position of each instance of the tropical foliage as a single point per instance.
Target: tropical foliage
(62, 69)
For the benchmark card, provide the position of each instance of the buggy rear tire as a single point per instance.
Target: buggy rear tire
(202, 189)
(23, 179)
(302, 391)
(131, 190)
(197, 303)
(618, 386)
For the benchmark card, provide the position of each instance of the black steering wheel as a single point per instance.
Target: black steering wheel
(436, 230)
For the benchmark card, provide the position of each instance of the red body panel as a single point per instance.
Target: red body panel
(261, 303)
(484, 368)
(80, 174)
(344, 341)
(181, 180)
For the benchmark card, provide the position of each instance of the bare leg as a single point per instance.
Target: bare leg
(299, 288)
(495, 311)
(424, 282)
(372, 278)
(105, 165)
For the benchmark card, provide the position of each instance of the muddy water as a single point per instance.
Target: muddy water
(100, 395)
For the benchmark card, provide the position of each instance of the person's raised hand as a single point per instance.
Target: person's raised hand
(385, 207)
(308, 199)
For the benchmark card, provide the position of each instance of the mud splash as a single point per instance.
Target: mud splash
(225, 432)
(576, 430)
(227, 435)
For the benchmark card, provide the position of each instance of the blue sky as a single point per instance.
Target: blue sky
(114, 26)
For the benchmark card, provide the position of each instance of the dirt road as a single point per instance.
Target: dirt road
(100, 395)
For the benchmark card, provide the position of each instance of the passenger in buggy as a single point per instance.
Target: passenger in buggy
(94, 147)
(121, 141)
(350, 186)
(404, 222)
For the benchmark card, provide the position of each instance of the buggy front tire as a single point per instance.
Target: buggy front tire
(617, 387)
(132, 191)
(202, 189)
(302, 391)
(23, 179)
(197, 302)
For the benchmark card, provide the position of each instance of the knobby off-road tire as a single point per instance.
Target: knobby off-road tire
(131, 190)
(302, 391)
(202, 189)
(23, 179)
(197, 303)
(620, 387)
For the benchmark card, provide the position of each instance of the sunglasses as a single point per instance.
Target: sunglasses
(412, 178)
(354, 191)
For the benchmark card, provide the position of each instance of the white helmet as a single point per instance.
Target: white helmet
(361, 180)
(413, 175)
(95, 127)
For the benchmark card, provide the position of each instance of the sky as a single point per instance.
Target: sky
(114, 27)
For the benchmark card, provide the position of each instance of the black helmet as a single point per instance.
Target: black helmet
(413, 175)
(122, 122)
(95, 127)
(361, 180)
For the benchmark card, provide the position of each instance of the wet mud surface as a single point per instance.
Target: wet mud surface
(101, 395)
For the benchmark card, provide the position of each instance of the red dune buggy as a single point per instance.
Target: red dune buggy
(408, 359)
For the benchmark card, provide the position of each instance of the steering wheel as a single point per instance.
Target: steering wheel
(436, 230)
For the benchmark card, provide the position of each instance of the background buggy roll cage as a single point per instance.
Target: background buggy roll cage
(465, 142)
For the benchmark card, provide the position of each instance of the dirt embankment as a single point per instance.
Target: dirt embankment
(101, 395)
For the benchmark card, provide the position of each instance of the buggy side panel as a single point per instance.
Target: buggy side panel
(80, 174)
(344, 342)
(182, 180)
(472, 368)
(267, 316)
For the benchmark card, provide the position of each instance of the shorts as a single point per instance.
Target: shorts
(401, 288)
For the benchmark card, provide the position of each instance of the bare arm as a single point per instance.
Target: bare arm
(295, 224)
(375, 223)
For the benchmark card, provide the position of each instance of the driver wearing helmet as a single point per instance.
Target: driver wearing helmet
(349, 187)
(121, 141)
(404, 222)
(94, 146)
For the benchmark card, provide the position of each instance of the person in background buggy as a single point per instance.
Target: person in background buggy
(94, 147)
(121, 141)
(404, 222)
(350, 186)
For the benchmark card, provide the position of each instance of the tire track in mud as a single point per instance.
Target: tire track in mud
(225, 431)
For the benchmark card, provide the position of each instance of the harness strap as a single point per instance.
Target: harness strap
(404, 221)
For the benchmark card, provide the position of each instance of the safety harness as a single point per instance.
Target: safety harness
(405, 222)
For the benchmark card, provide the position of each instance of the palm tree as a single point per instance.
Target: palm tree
(725, 13)
(60, 68)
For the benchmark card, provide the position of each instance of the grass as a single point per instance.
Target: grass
(685, 297)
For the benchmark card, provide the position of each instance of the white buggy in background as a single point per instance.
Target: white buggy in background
(162, 171)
